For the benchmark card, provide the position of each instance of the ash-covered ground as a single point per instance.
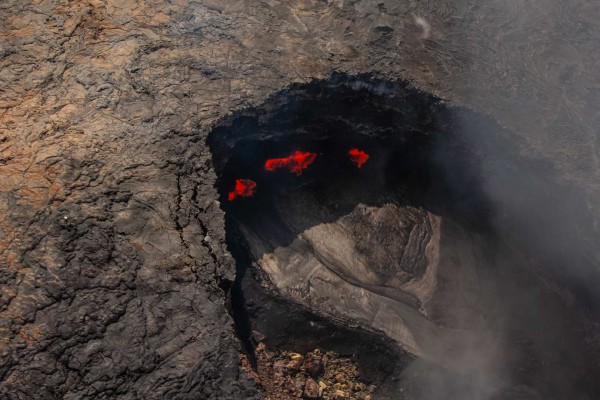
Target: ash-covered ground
(114, 259)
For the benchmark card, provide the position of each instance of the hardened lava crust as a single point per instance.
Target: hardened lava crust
(121, 259)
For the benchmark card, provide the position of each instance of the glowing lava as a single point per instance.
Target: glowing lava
(243, 188)
(296, 163)
(358, 157)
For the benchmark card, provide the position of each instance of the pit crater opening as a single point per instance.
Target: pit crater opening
(334, 257)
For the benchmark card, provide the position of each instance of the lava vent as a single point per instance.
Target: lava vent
(371, 233)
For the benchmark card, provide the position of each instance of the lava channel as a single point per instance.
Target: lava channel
(296, 163)
(243, 188)
(358, 157)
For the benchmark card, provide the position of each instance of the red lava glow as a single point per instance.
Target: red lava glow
(243, 188)
(358, 157)
(296, 163)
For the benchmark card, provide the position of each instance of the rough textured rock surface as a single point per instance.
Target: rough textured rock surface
(314, 375)
(112, 240)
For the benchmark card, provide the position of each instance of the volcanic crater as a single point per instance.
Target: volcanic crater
(403, 262)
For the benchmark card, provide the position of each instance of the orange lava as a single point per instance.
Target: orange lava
(243, 188)
(358, 157)
(296, 163)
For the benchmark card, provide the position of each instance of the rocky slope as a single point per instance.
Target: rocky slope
(112, 239)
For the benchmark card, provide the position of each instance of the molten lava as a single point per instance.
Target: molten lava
(296, 163)
(243, 188)
(358, 157)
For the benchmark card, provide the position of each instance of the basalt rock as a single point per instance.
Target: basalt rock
(460, 261)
